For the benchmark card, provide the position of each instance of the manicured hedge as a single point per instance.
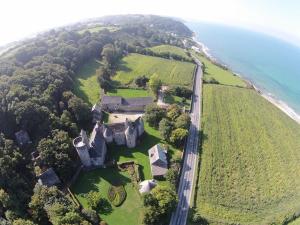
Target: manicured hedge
(116, 195)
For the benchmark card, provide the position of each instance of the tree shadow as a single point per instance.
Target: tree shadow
(123, 66)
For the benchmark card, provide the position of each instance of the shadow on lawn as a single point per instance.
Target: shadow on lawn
(123, 66)
(89, 181)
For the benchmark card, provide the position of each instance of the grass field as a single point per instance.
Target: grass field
(129, 93)
(86, 84)
(171, 72)
(170, 49)
(100, 180)
(225, 77)
(250, 170)
(295, 222)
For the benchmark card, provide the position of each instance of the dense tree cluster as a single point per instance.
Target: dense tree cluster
(172, 123)
(51, 205)
(159, 204)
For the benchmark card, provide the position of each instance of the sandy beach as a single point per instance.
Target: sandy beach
(278, 103)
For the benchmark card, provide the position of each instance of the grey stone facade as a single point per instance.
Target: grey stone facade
(126, 133)
(91, 151)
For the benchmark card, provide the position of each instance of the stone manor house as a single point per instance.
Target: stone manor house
(92, 150)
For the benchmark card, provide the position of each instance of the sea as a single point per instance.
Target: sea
(271, 64)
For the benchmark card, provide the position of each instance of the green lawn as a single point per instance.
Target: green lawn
(171, 72)
(250, 170)
(295, 222)
(170, 49)
(178, 101)
(86, 84)
(222, 76)
(100, 180)
(140, 153)
(129, 93)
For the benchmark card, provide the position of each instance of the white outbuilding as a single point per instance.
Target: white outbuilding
(146, 186)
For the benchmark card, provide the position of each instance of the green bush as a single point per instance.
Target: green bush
(116, 195)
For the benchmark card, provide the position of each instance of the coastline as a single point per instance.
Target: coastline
(284, 107)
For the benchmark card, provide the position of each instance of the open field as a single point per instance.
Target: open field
(222, 76)
(171, 72)
(100, 180)
(139, 154)
(295, 222)
(99, 28)
(129, 93)
(86, 84)
(250, 170)
(170, 49)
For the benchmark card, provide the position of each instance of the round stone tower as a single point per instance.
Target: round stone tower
(131, 135)
(82, 148)
(107, 134)
(140, 126)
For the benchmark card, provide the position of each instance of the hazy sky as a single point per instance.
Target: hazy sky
(20, 18)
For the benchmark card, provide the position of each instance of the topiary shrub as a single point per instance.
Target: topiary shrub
(116, 195)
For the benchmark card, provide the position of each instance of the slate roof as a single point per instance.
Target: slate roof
(111, 100)
(116, 100)
(96, 142)
(158, 160)
(137, 101)
(22, 137)
(49, 178)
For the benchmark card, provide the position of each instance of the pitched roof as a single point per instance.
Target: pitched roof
(22, 137)
(96, 142)
(158, 160)
(96, 108)
(111, 100)
(48, 178)
(147, 186)
(137, 101)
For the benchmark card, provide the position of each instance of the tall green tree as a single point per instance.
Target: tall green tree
(155, 84)
(178, 136)
(154, 114)
(159, 203)
(165, 128)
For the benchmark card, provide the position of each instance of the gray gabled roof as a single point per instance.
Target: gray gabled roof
(137, 101)
(22, 137)
(111, 100)
(114, 100)
(48, 178)
(158, 160)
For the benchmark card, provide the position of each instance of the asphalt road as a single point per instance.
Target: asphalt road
(179, 217)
